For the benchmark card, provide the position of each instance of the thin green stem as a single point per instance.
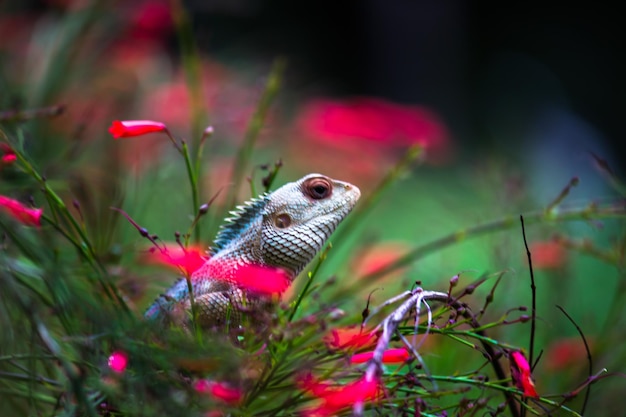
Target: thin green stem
(193, 181)
(312, 275)
(28, 395)
(466, 333)
(254, 127)
(564, 215)
(369, 202)
(84, 245)
(194, 310)
(192, 67)
(495, 385)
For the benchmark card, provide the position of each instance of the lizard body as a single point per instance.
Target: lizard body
(284, 229)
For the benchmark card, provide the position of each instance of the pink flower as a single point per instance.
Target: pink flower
(8, 154)
(185, 259)
(118, 361)
(521, 375)
(219, 390)
(335, 399)
(130, 128)
(151, 20)
(373, 119)
(262, 279)
(389, 356)
(25, 215)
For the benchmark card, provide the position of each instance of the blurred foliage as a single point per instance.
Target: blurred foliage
(72, 291)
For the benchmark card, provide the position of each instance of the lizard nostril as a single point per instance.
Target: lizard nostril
(282, 221)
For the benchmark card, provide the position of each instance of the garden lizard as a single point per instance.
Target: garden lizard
(284, 229)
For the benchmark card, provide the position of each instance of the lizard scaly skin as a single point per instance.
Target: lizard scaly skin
(284, 229)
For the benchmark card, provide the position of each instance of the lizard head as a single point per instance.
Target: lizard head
(300, 216)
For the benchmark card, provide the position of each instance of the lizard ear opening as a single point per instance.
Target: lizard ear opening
(282, 221)
(318, 188)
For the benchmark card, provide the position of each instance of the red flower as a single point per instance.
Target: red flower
(151, 20)
(373, 119)
(373, 259)
(335, 399)
(25, 215)
(520, 373)
(185, 259)
(8, 154)
(389, 356)
(214, 413)
(566, 354)
(350, 337)
(218, 390)
(262, 279)
(118, 361)
(130, 128)
(548, 255)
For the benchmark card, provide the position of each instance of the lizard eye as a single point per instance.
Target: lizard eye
(318, 188)
(282, 221)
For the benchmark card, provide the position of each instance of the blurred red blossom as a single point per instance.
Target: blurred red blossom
(172, 254)
(8, 154)
(214, 413)
(21, 213)
(548, 255)
(565, 354)
(145, 27)
(150, 19)
(350, 337)
(370, 133)
(218, 390)
(118, 361)
(375, 258)
(255, 278)
(131, 128)
(261, 279)
(335, 399)
(389, 356)
(221, 91)
(374, 120)
(521, 375)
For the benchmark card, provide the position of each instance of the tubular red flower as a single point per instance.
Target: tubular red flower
(521, 375)
(334, 399)
(389, 356)
(25, 215)
(118, 361)
(131, 128)
(187, 260)
(218, 390)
